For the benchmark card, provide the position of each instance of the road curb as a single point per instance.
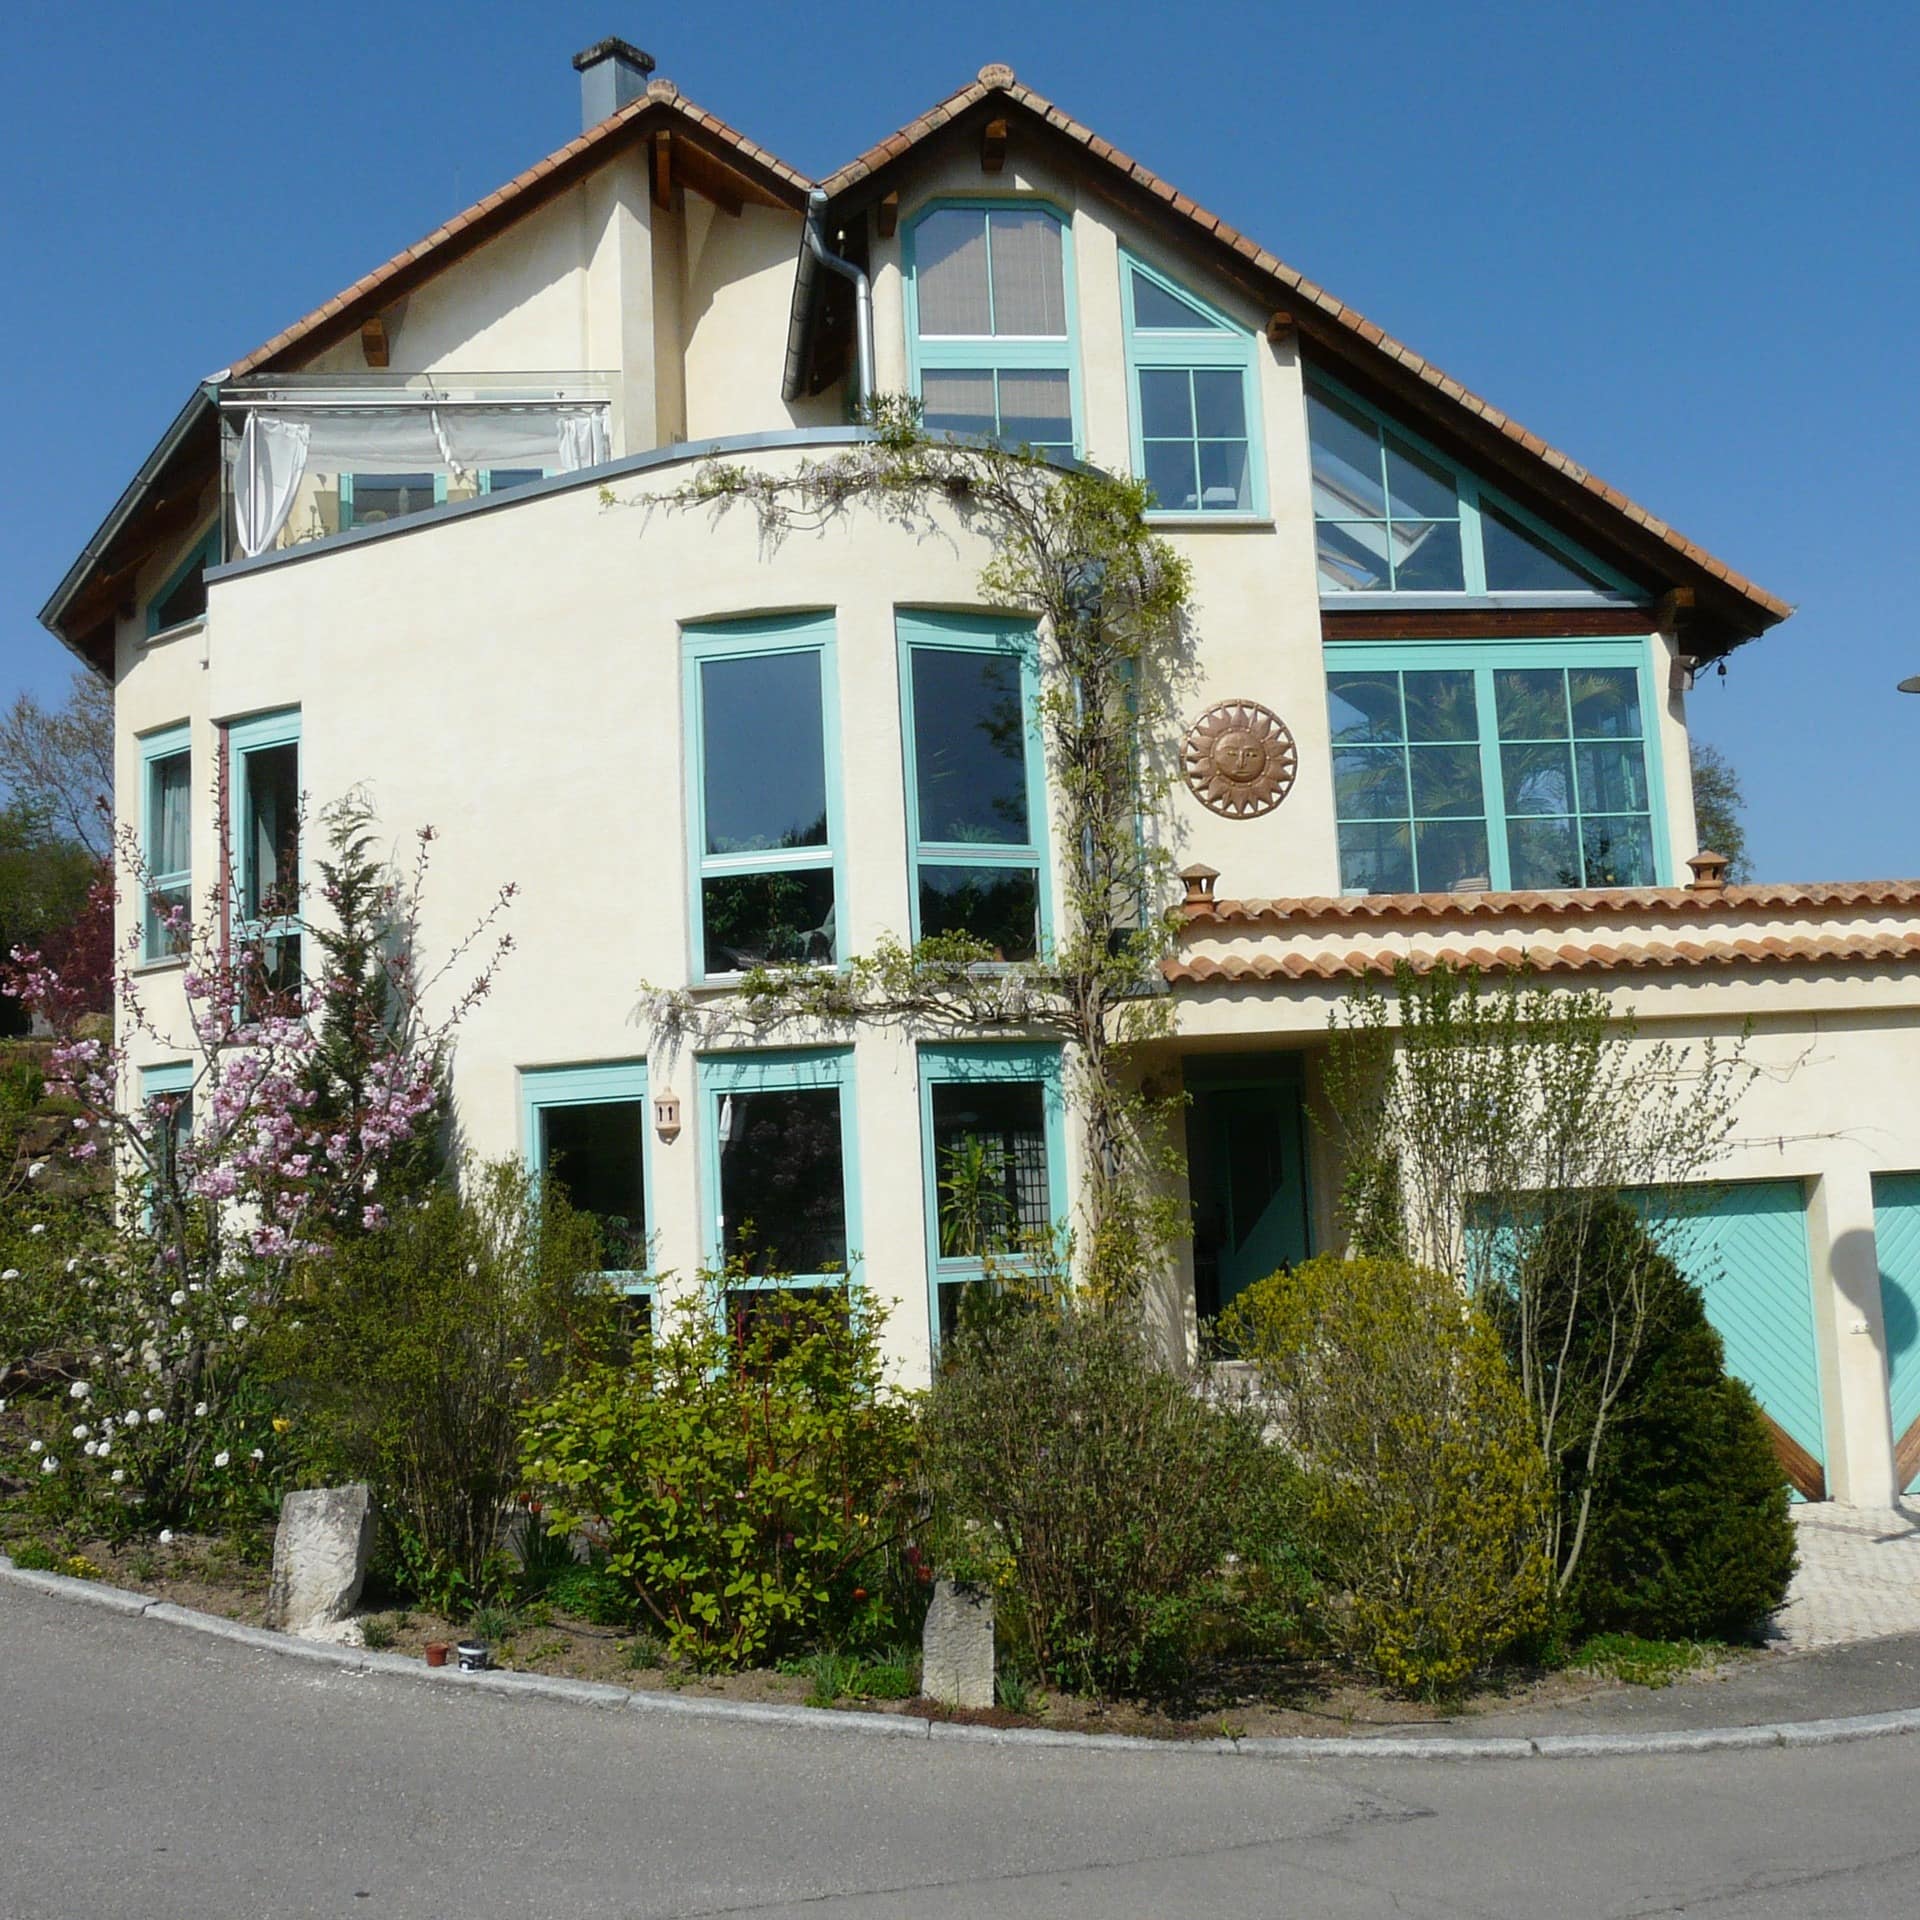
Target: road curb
(895, 1726)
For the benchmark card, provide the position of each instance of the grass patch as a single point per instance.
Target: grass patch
(894, 1675)
(1645, 1663)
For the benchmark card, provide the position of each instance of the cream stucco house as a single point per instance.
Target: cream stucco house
(378, 550)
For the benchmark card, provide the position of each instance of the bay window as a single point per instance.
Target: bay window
(1463, 766)
(990, 321)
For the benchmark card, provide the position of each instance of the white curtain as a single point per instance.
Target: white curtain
(273, 456)
(583, 440)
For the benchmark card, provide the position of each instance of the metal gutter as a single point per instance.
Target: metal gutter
(815, 254)
(123, 509)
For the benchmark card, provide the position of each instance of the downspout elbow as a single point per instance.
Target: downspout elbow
(862, 297)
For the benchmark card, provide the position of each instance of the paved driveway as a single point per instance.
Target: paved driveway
(147, 1772)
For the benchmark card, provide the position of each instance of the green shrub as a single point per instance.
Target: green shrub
(1426, 1494)
(1690, 1535)
(748, 1473)
(417, 1352)
(1093, 1488)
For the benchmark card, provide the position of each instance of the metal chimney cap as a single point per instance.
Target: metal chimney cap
(613, 48)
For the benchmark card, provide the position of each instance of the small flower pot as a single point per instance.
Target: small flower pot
(437, 1651)
(475, 1656)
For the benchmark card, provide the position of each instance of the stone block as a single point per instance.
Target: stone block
(320, 1554)
(956, 1647)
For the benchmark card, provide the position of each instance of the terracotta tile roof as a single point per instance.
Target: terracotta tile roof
(1824, 950)
(525, 191)
(1000, 80)
(1586, 903)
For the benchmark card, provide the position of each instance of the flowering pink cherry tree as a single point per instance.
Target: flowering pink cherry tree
(223, 1187)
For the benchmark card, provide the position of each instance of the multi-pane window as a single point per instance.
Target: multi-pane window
(1459, 768)
(370, 499)
(764, 803)
(995, 1179)
(166, 839)
(781, 1158)
(586, 1130)
(1391, 515)
(990, 293)
(976, 791)
(1192, 373)
(264, 759)
(166, 1093)
(184, 595)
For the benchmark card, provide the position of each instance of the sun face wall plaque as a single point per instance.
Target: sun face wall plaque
(1240, 759)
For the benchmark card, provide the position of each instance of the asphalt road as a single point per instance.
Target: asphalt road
(149, 1773)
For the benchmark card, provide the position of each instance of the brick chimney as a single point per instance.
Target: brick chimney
(612, 72)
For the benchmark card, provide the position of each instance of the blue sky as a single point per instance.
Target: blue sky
(1682, 241)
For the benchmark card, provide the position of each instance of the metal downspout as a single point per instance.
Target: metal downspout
(818, 250)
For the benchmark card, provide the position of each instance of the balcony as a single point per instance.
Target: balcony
(308, 457)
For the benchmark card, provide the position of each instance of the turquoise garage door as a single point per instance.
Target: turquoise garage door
(1896, 1229)
(1746, 1245)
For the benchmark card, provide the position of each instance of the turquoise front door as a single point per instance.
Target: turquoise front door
(1247, 1171)
(1746, 1247)
(1896, 1231)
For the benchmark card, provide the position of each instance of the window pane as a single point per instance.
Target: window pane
(502, 479)
(1172, 476)
(1543, 854)
(1029, 287)
(1353, 556)
(1606, 703)
(1157, 309)
(969, 747)
(1441, 704)
(1532, 703)
(1370, 783)
(389, 496)
(1613, 779)
(1376, 859)
(1426, 557)
(1346, 462)
(990, 1166)
(1166, 403)
(187, 601)
(1520, 561)
(1446, 781)
(763, 755)
(1538, 779)
(1223, 476)
(783, 1201)
(1452, 855)
(1036, 409)
(162, 939)
(597, 1152)
(950, 271)
(271, 777)
(1418, 488)
(958, 401)
(997, 905)
(783, 918)
(169, 850)
(1364, 706)
(1619, 852)
(1219, 403)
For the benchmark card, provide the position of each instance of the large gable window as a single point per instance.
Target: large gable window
(1392, 515)
(990, 317)
(1459, 767)
(1192, 377)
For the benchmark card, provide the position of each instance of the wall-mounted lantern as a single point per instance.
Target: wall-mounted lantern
(666, 1114)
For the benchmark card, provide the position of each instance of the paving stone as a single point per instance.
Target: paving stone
(1859, 1576)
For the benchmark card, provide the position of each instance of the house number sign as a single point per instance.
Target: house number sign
(1240, 759)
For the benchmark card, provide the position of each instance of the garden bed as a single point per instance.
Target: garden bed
(225, 1575)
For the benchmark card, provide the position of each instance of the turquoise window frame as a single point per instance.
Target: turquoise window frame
(205, 554)
(156, 1083)
(244, 738)
(958, 1063)
(487, 473)
(621, 1081)
(799, 1069)
(1184, 351)
(167, 744)
(346, 494)
(746, 639)
(1469, 490)
(1484, 658)
(996, 352)
(977, 633)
